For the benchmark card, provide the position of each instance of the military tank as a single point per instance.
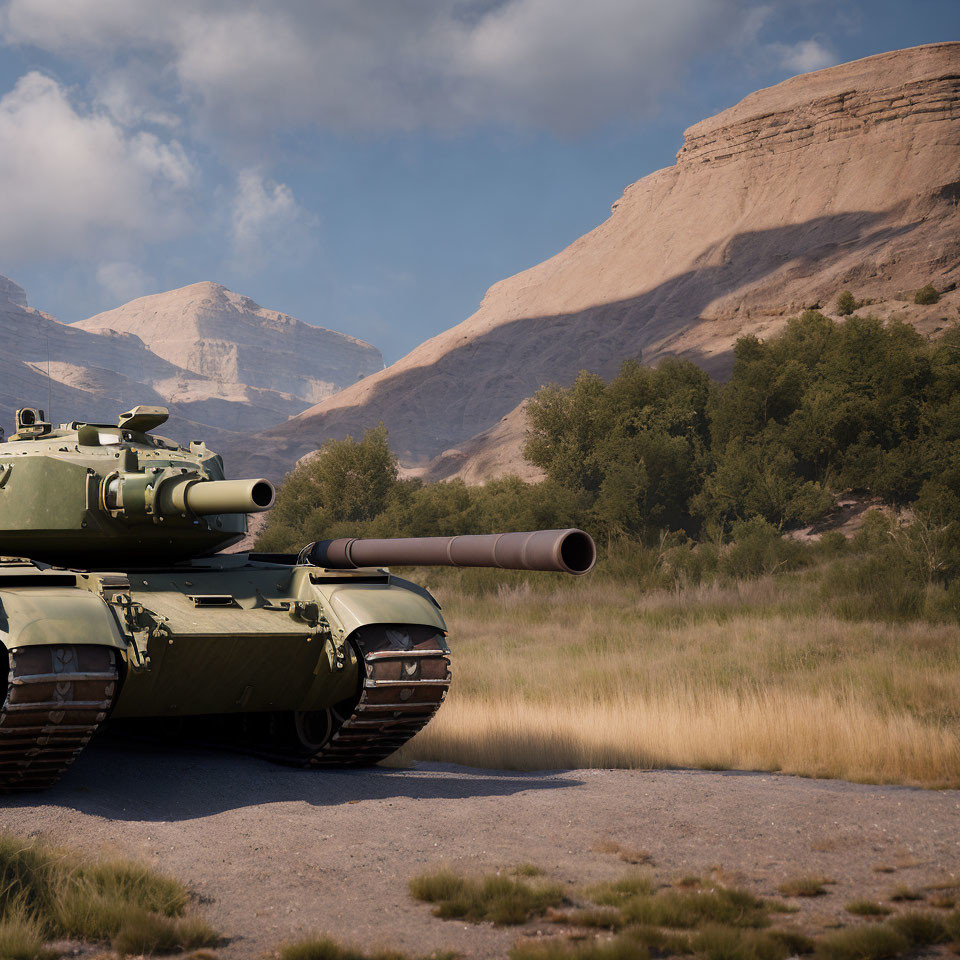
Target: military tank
(117, 606)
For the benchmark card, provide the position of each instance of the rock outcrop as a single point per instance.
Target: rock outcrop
(844, 178)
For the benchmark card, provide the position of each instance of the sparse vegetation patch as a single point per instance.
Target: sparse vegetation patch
(326, 948)
(807, 886)
(904, 893)
(499, 898)
(641, 919)
(867, 908)
(48, 893)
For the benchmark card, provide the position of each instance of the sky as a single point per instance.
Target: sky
(372, 166)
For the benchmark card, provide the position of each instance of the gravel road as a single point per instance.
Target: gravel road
(277, 853)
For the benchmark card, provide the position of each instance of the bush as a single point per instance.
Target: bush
(926, 295)
(846, 303)
(757, 549)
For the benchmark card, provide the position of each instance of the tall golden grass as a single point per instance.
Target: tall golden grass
(751, 676)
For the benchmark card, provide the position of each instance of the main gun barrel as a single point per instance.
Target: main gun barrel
(205, 497)
(140, 495)
(566, 551)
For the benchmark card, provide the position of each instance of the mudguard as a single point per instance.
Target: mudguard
(54, 615)
(396, 600)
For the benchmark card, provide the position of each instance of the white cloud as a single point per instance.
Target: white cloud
(127, 96)
(91, 24)
(561, 65)
(123, 281)
(566, 64)
(267, 222)
(805, 56)
(74, 181)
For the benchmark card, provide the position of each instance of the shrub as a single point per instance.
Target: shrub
(846, 303)
(926, 295)
(758, 548)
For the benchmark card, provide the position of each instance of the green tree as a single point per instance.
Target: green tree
(347, 482)
(634, 449)
(926, 295)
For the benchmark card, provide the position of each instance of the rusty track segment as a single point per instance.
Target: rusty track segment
(406, 674)
(56, 698)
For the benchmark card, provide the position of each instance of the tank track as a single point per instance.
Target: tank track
(56, 698)
(406, 675)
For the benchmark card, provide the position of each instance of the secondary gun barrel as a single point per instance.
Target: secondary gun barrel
(566, 551)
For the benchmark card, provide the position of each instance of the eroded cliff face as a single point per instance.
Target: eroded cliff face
(845, 178)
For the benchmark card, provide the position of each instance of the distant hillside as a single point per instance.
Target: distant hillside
(225, 337)
(219, 361)
(844, 178)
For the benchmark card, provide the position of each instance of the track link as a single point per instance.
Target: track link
(56, 698)
(406, 674)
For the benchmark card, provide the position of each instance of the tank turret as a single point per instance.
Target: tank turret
(89, 493)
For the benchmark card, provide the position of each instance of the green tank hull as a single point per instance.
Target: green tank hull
(116, 610)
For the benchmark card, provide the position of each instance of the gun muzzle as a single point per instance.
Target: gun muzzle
(204, 497)
(566, 551)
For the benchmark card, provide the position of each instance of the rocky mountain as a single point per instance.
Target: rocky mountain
(219, 361)
(846, 178)
(227, 338)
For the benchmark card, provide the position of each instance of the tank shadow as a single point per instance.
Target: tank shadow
(155, 782)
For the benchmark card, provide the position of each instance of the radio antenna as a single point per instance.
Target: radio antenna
(49, 383)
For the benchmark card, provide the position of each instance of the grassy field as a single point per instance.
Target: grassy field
(761, 674)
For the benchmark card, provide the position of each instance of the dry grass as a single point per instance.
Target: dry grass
(325, 948)
(862, 943)
(903, 893)
(500, 899)
(47, 892)
(804, 887)
(867, 908)
(561, 674)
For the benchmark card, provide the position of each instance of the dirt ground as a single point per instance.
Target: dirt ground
(276, 853)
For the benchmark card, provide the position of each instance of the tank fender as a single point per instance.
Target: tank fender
(37, 616)
(357, 605)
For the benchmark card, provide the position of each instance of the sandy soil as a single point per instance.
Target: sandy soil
(277, 853)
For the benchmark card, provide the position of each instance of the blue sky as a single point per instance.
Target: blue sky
(368, 165)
